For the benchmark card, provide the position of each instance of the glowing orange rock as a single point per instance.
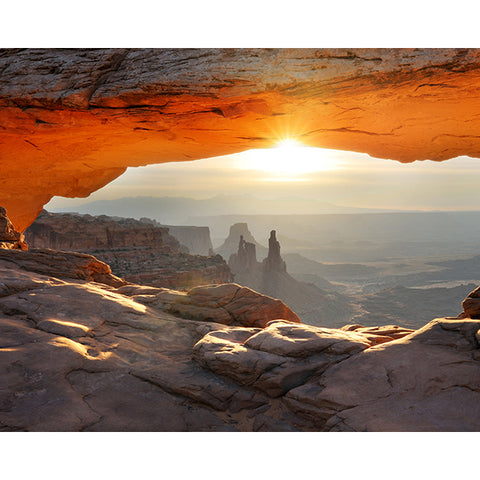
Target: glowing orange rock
(72, 120)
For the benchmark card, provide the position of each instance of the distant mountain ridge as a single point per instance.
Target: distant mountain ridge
(176, 210)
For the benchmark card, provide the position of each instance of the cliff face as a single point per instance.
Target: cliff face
(138, 251)
(196, 239)
(73, 120)
(87, 233)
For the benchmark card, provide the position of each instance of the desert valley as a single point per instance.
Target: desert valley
(222, 312)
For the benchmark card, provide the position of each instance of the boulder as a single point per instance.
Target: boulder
(427, 381)
(277, 358)
(229, 304)
(471, 305)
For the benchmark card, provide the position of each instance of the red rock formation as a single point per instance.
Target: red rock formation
(86, 233)
(138, 250)
(62, 265)
(228, 304)
(82, 356)
(471, 305)
(245, 260)
(9, 237)
(73, 120)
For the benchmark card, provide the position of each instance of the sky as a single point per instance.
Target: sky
(292, 170)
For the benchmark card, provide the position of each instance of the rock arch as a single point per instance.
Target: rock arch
(73, 120)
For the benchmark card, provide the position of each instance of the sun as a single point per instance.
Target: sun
(288, 160)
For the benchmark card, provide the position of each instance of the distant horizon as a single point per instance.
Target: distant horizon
(345, 179)
(66, 209)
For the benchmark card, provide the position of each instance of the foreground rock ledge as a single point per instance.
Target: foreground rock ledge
(72, 120)
(79, 355)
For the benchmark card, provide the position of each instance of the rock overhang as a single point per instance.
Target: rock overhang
(73, 120)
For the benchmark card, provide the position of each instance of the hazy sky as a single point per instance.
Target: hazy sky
(342, 178)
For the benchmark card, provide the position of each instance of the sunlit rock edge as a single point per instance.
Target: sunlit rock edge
(73, 120)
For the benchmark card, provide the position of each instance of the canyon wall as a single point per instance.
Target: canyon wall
(196, 239)
(72, 120)
(138, 250)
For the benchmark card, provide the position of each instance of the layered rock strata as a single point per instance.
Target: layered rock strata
(64, 231)
(53, 263)
(72, 120)
(138, 250)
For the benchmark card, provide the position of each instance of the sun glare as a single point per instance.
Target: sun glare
(288, 160)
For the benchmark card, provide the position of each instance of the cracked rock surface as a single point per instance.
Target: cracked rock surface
(80, 355)
(85, 355)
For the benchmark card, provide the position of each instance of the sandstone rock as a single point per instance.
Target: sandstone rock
(245, 260)
(78, 355)
(274, 262)
(302, 341)
(231, 243)
(471, 305)
(426, 381)
(83, 356)
(140, 251)
(9, 237)
(177, 271)
(278, 358)
(228, 304)
(379, 334)
(61, 265)
(87, 233)
(60, 109)
(270, 277)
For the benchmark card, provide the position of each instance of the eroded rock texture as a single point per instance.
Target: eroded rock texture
(141, 251)
(79, 355)
(228, 304)
(9, 237)
(72, 120)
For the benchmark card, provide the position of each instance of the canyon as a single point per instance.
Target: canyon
(84, 350)
(141, 251)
